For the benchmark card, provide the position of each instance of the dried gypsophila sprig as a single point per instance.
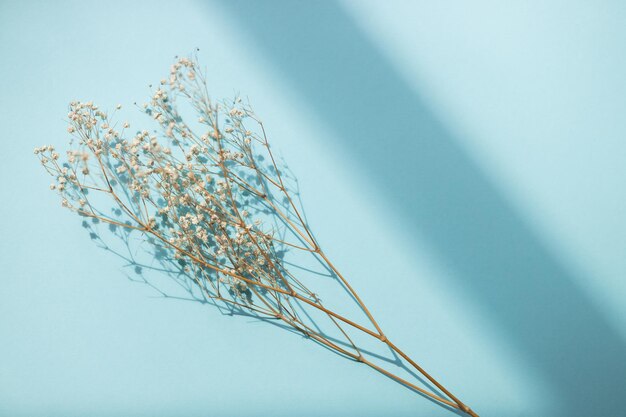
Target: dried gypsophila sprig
(213, 201)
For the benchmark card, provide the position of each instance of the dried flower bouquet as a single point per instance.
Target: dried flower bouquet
(211, 194)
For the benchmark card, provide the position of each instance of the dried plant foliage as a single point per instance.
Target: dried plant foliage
(212, 201)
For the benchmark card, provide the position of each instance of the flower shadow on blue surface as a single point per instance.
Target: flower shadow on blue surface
(150, 262)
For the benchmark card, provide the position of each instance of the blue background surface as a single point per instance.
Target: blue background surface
(463, 165)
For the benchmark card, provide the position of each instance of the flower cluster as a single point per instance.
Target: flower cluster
(204, 191)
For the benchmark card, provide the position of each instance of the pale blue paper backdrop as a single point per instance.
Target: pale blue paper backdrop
(464, 165)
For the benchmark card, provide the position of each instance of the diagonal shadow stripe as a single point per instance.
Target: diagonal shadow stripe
(444, 196)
